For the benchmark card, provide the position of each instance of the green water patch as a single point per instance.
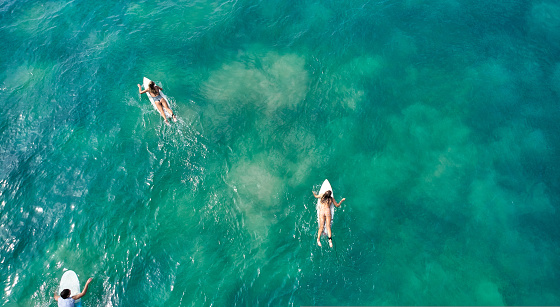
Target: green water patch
(441, 6)
(433, 175)
(218, 240)
(435, 264)
(139, 14)
(165, 71)
(555, 79)
(348, 84)
(487, 293)
(441, 164)
(421, 140)
(543, 20)
(494, 92)
(317, 16)
(301, 155)
(202, 14)
(36, 17)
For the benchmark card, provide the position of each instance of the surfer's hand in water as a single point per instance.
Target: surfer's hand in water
(89, 280)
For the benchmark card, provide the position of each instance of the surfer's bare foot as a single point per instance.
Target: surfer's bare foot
(330, 242)
(174, 118)
(167, 123)
(319, 243)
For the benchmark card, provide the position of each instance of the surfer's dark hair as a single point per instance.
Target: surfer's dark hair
(65, 293)
(152, 87)
(326, 196)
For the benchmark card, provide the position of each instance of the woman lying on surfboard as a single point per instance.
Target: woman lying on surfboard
(160, 102)
(325, 214)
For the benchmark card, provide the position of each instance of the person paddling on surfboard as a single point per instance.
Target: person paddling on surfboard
(65, 300)
(160, 102)
(325, 216)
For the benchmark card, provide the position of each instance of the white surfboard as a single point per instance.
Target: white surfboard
(70, 281)
(326, 186)
(146, 83)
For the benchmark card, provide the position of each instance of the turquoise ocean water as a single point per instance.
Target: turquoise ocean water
(438, 121)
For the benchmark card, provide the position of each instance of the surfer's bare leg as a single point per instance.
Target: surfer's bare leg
(161, 112)
(321, 223)
(329, 218)
(166, 106)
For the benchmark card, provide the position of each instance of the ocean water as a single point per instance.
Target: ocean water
(437, 120)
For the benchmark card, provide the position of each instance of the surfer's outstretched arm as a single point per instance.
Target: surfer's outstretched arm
(140, 89)
(79, 295)
(56, 296)
(338, 205)
(316, 196)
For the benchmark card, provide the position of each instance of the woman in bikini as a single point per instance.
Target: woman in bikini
(325, 214)
(160, 102)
